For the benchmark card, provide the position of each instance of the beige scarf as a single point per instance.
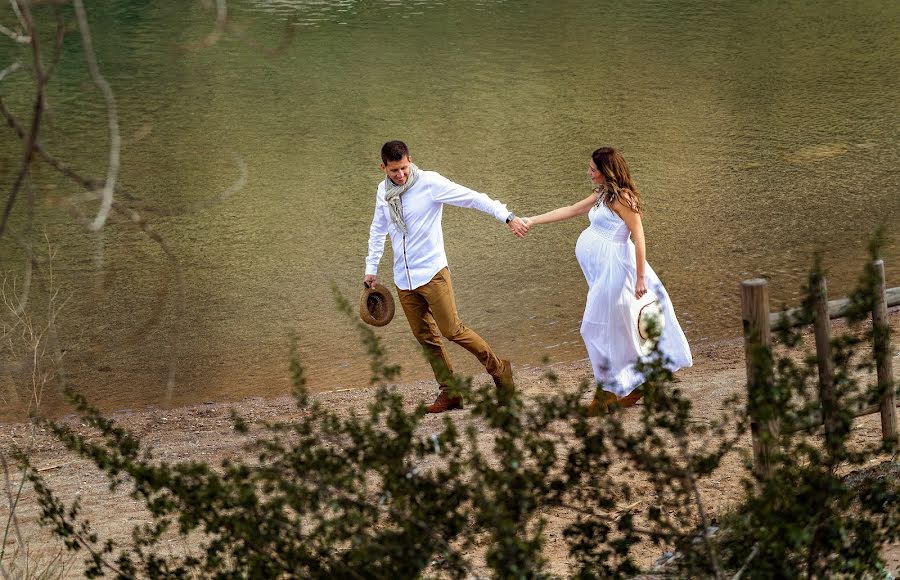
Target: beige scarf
(392, 193)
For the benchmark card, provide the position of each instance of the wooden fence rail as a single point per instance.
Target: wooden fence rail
(758, 321)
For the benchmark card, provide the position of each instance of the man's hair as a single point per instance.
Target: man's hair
(394, 151)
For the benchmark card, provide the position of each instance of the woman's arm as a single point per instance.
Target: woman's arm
(634, 223)
(563, 213)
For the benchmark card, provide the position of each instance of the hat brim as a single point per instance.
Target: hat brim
(376, 306)
(646, 312)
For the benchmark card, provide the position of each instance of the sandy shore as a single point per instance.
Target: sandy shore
(203, 432)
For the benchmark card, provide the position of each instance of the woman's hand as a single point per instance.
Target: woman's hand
(640, 288)
(528, 222)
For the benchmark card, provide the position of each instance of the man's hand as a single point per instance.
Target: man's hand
(369, 280)
(518, 227)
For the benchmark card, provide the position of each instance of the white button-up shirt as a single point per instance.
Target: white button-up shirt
(419, 255)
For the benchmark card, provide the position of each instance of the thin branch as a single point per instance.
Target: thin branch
(58, 41)
(691, 482)
(615, 520)
(749, 559)
(14, 35)
(235, 187)
(10, 69)
(13, 503)
(115, 143)
(133, 216)
(31, 138)
(18, 11)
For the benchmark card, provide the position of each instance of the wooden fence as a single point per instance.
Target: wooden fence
(758, 322)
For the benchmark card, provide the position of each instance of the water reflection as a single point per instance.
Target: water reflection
(758, 132)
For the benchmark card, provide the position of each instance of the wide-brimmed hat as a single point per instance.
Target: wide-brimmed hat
(376, 305)
(647, 311)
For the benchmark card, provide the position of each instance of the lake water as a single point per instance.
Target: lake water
(758, 133)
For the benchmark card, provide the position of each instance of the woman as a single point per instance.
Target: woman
(617, 274)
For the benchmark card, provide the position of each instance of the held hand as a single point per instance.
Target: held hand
(518, 227)
(528, 222)
(640, 288)
(369, 280)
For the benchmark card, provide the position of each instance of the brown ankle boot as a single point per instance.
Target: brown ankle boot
(631, 398)
(444, 402)
(600, 404)
(504, 379)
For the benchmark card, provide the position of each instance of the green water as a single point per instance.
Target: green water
(758, 133)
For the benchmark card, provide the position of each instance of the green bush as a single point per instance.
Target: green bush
(377, 495)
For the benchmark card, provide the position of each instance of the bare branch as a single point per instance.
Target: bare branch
(615, 520)
(691, 482)
(13, 500)
(18, 11)
(31, 139)
(58, 41)
(10, 69)
(235, 187)
(115, 143)
(752, 555)
(14, 35)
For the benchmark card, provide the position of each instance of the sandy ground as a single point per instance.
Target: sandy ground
(203, 432)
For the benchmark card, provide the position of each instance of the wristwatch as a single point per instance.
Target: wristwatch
(510, 217)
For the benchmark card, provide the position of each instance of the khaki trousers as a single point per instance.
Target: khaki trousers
(431, 312)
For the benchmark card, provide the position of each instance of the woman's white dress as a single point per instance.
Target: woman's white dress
(606, 255)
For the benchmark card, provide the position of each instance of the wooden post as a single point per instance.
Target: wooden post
(882, 332)
(827, 396)
(755, 313)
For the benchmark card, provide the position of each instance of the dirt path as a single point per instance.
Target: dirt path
(203, 432)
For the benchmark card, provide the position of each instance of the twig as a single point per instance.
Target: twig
(10, 69)
(614, 520)
(115, 142)
(52, 467)
(14, 35)
(236, 186)
(13, 503)
(58, 42)
(691, 482)
(133, 216)
(31, 139)
(18, 11)
(749, 559)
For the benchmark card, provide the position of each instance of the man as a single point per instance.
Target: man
(408, 206)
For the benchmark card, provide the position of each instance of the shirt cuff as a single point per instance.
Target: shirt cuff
(371, 270)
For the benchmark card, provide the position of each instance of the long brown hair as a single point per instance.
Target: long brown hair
(619, 184)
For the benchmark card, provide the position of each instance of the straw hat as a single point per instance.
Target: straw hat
(376, 306)
(644, 311)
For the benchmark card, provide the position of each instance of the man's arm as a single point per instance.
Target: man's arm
(446, 191)
(377, 232)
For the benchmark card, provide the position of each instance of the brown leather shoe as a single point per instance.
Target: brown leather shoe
(600, 404)
(631, 398)
(444, 402)
(504, 382)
